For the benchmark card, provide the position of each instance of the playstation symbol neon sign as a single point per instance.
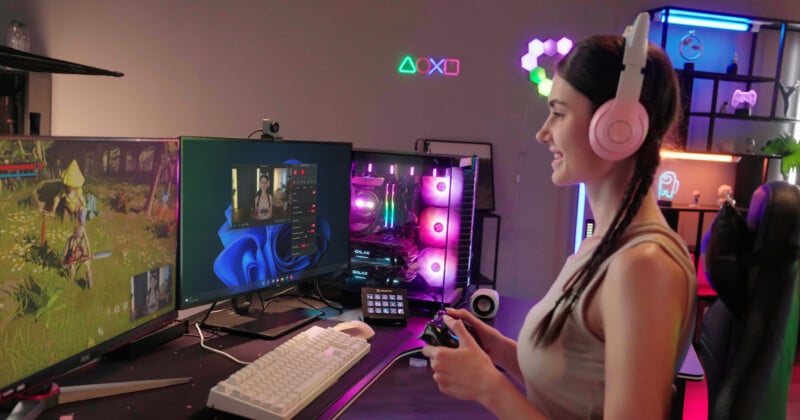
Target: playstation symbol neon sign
(430, 66)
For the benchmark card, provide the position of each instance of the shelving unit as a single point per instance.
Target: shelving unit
(762, 47)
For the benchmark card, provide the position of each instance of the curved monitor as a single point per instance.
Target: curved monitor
(88, 250)
(260, 214)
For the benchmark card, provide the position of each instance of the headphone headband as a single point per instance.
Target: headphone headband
(634, 58)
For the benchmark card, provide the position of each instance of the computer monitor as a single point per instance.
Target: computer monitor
(411, 218)
(260, 216)
(88, 251)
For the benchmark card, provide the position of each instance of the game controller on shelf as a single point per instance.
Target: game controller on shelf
(437, 333)
(747, 98)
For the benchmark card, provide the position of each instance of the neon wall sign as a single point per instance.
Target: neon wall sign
(429, 66)
(530, 61)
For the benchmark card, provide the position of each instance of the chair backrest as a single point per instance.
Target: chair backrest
(749, 335)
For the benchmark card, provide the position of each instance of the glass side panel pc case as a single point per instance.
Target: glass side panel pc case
(88, 250)
(260, 214)
(411, 217)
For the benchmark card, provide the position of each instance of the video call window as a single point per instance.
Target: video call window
(290, 198)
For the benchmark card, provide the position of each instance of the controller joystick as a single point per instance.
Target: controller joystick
(436, 333)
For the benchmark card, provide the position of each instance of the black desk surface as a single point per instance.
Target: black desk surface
(380, 385)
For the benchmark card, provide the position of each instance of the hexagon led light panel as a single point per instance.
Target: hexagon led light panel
(530, 61)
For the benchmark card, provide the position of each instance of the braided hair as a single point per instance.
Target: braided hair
(593, 69)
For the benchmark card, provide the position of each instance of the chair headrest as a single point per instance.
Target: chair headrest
(734, 247)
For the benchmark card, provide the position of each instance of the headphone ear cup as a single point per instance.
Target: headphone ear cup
(618, 128)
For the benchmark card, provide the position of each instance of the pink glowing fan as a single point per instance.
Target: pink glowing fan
(436, 270)
(434, 229)
(436, 190)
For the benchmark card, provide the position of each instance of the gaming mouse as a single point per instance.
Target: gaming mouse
(356, 328)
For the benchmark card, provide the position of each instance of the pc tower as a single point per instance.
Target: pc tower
(411, 218)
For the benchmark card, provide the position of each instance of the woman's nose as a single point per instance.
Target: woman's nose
(543, 135)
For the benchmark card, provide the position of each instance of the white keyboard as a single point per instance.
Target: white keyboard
(285, 380)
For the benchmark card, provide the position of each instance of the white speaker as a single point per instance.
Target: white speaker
(484, 303)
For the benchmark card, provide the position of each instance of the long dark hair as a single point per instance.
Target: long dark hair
(592, 68)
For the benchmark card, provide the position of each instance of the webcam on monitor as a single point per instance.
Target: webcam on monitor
(270, 129)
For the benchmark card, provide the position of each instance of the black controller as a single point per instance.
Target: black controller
(436, 333)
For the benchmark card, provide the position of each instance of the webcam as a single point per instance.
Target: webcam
(269, 130)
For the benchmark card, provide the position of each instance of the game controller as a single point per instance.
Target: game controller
(739, 97)
(437, 333)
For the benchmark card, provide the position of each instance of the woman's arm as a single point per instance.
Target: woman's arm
(640, 309)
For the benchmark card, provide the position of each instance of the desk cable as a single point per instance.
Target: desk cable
(203, 345)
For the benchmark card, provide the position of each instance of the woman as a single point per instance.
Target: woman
(263, 203)
(151, 300)
(608, 337)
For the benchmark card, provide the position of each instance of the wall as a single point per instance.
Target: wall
(327, 70)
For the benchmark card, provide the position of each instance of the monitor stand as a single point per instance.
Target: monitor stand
(258, 323)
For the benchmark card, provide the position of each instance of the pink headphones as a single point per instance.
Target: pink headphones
(619, 126)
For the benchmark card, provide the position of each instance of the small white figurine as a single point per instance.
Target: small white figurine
(725, 194)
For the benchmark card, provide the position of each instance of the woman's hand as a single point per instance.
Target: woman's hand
(501, 349)
(465, 372)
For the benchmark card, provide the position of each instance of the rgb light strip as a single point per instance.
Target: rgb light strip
(707, 20)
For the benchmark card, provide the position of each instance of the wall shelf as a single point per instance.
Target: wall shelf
(763, 54)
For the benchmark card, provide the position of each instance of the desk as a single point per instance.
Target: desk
(405, 392)
(359, 391)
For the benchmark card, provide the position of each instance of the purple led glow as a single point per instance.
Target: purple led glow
(363, 204)
(436, 190)
(369, 168)
(564, 45)
(530, 61)
(437, 270)
(433, 227)
(550, 47)
(536, 47)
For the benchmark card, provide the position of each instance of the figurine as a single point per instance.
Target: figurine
(695, 198)
(733, 67)
(786, 93)
(725, 195)
(724, 108)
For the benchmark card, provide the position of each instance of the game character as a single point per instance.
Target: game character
(72, 197)
(78, 251)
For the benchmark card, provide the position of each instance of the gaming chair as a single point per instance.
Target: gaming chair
(749, 335)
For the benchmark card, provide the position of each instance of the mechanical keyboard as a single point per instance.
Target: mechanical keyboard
(286, 379)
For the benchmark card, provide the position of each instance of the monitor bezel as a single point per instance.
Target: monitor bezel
(39, 381)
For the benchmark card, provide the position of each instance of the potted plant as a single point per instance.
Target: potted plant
(788, 149)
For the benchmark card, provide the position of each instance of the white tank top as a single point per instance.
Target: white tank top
(566, 379)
